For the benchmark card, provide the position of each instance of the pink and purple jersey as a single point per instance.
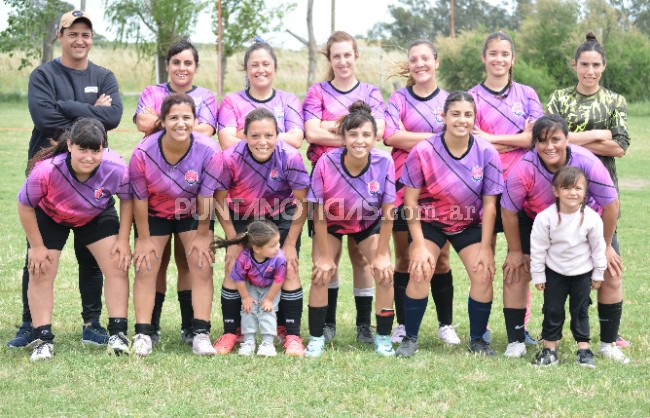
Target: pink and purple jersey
(416, 114)
(204, 100)
(505, 113)
(172, 189)
(262, 189)
(324, 102)
(455, 186)
(352, 203)
(264, 274)
(286, 108)
(528, 186)
(53, 186)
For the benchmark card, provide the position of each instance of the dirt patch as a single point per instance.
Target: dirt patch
(634, 184)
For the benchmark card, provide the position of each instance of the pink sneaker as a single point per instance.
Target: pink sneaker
(621, 342)
(293, 346)
(225, 344)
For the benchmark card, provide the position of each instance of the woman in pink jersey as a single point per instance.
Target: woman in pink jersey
(412, 115)
(174, 173)
(505, 113)
(353, 193)
(325, 103)
(182, 65)
(260, 65)
(462, 176)
(70, 187)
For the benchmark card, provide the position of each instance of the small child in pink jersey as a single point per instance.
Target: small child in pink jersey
(258, 273)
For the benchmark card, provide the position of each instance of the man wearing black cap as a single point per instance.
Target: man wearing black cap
(59, 92)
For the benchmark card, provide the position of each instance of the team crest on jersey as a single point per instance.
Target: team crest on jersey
(275, 176)
(279, 114)
(477, 173)
(373, 188)
(439, 113)
(518, 109)
(191, 177)
(268, 270)
(99, 193)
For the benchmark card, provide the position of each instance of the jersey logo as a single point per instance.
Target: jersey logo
(274, 175)
(438, 114)
(279, 114)
(99, 193)
(373, 188)
(268, 270)
(477, 173)
(191, 177)
(518, 109)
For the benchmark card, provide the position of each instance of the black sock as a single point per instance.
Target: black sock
(515, 324)
(364, 309)
(414, 310)
(400, 281)
(384, 323)
(332, 300)
(280, 316)
(145, 329)
(117, 325)
(610, 320)
(44, 333)
(317, 321)
(91, 282)
(200, 326)
(27, 315)
(230, 310)
(291, 304)
(157, 311)
(479, 315)
(442, 290)
(187, 311)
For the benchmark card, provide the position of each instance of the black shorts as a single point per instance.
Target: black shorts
(525, 228)
(162, 227)
(468, 236)
(282, 221)
(361, 235)
(55, 235)
(400, 224)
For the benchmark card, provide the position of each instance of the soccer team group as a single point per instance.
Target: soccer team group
(464, 167)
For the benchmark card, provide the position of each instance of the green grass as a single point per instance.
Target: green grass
(349, 380)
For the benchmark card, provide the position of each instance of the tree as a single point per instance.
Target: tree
(153, 24)
(31, 28)
(310, 42)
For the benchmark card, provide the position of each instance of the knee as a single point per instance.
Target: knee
(291, 282)
(611, 283)
(442, 265)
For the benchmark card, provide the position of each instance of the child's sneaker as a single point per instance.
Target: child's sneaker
(94, 334)
(267, 349)
(315, 347)
(118, 344)
(142, 345)
(329, 331)
(293, 346)
(515, 350)
(546, 357)
(383, 346)
(365, 334)
(612, 352)
(407, 348)
(447, 333)
(247, 348)
(202, 346)
(24, 336)
(529, 340)
(42, 350)
(398, 334)
(481, 347)
(282, 334)
(621, 342)
(585, 358)
(225, 343)
(187, 336)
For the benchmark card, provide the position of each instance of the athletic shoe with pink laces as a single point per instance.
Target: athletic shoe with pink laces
(293, 346)
(225, 344)
(621, 342)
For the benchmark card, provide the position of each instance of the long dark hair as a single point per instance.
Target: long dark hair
(257, 233)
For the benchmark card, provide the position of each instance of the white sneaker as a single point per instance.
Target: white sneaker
(202, 346)
(118, 344)
(398, 334)
(515, 350)
(247, 348)
(142, 345)
(447, 333)
(42, 351)
(612, 352)
(267, 349)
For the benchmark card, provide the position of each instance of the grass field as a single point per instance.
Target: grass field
(349, 380)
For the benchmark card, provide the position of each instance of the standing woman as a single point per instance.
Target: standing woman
(413, 114)
(463, 173)
(174, 173)
(597, 119)
(260, 65)
(182, 65)
(505, 112)
(325, 103)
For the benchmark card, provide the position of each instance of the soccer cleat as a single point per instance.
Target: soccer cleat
(202, 346)
(315, 347)
(365, 334)
(42, 350)
(225, 344)
(187, 336)
(481, 347)
(515, 350)
(329, 332)
(142, 345)
(282, 334)
(383, 346)
(447, 333)
(118, 344)
(585, 358)
(407, 348)
(612, 352)
(621, 342)
(398, 334)
(293, 346)
(546, 357)
(266, 349)
(94, 334)
(529, 339)
(24, 336)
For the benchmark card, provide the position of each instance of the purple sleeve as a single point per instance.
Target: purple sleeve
(516, 188)
(293, 114)
(389, 188)
(124, 189)
(138, 176)
(35, 186)
(240, 269)
(225, 178)
(412, 175)
(297, 175)
(535, 109)
(393, 115)
(313, 106)
(280, 271)
(207, 112)
(147, 99)
(315, 194)
(493, 174)
(377, 104)
(227, 116)
(601, 188)
(212, 175)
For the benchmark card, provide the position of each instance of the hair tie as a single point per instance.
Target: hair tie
(258, 39)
